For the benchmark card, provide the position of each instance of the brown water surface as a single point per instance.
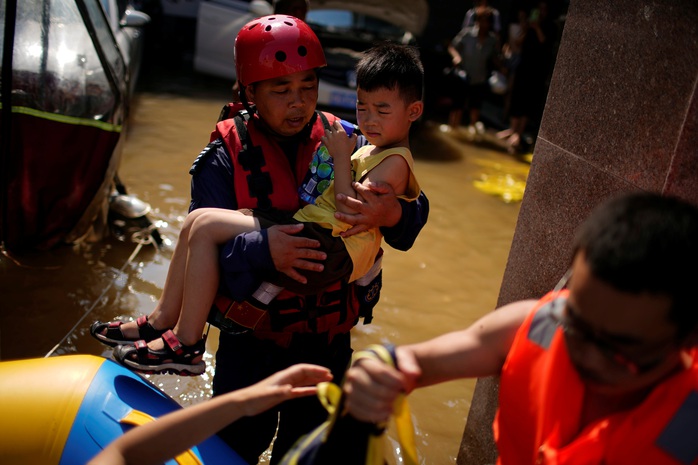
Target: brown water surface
(447, 280)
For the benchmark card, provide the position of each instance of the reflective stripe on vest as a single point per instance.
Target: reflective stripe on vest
(543, 327)
(680, 437)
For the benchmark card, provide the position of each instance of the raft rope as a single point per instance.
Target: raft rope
(141, 238)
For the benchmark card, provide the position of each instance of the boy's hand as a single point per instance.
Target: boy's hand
(338, 143)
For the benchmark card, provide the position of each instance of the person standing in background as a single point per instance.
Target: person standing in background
(474, 51)
(530, 88)
(471, 14)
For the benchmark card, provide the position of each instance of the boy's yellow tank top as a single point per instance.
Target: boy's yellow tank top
(364, 246)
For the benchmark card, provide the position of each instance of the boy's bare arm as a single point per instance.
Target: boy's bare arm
(393, 171)
(341, 147)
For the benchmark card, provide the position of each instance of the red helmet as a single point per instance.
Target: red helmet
(273, 46)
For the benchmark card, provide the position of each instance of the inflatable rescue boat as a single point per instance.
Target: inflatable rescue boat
(64, 410)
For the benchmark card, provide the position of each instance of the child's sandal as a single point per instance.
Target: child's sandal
(113, 335)
(175, 358)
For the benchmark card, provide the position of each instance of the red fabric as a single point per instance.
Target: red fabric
(285, 181)
(49, 191)
(285, 178)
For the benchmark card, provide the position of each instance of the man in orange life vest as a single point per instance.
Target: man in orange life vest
(602, 370)
(257, 159)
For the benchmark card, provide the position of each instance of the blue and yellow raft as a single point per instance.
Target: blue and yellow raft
(64, 410)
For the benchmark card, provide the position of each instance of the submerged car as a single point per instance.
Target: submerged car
(345, 29)
(65, 106)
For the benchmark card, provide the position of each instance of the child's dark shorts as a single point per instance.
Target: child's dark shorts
(338, 264)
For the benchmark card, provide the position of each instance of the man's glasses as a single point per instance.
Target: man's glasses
(577, 330)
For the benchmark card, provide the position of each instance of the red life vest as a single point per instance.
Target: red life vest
(261, 168)
(264, 178)
(540, 400)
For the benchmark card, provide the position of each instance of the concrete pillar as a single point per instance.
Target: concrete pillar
(621, 115)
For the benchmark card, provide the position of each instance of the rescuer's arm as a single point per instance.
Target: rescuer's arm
(477, 351)
(174, 433)
(400, 221)
(246, 259)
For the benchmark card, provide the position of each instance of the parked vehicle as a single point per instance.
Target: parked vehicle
(217, 25)
(65, 96)
(345, 29)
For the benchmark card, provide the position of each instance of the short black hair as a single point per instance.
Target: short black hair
(390, 65)
(646, 242)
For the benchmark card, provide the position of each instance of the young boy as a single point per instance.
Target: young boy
(389, 100)
(604, 369)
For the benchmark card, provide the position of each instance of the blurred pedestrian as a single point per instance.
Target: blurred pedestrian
(474, 53)
(530, 87)
(469, 20)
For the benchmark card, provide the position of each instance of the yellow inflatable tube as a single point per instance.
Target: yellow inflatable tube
(34, 394)
(64, 410)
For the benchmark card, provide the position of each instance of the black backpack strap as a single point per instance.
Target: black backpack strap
(252, 159)
(225, 112)
(325, 121)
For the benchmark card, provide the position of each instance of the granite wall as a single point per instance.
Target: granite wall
(621, 115)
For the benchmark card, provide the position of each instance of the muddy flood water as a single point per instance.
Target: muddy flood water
(448, 279)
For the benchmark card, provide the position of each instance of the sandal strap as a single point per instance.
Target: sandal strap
(173, 342)
(141, 321)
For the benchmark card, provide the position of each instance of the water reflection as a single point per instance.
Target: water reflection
(450, 277)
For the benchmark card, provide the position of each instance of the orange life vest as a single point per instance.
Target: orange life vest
(264, 178)
(540, 400)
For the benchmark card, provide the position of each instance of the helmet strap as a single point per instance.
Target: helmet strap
(243, 99)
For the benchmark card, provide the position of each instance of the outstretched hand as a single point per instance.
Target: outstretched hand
(296, 381)
(292, 253)
(376, 206)
(371, 386)
(160, 440)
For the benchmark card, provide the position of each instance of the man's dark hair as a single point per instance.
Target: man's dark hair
(645, 242)
(388, 65)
